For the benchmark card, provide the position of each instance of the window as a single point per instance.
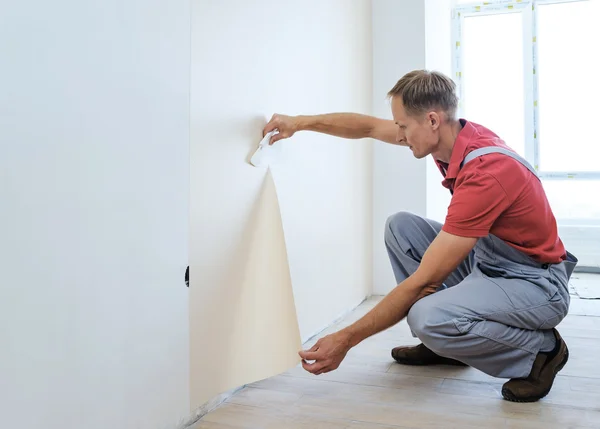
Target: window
(568, 52)
(525, 69)
(481, 50)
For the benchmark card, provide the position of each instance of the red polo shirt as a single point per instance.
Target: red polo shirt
(496, 194)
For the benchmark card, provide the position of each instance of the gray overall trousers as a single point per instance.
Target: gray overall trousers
(494, 310)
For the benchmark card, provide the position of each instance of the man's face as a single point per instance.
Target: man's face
(417, 133)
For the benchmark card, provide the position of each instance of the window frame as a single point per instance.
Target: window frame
(529, 10)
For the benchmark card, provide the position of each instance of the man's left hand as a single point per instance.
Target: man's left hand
(327, 354)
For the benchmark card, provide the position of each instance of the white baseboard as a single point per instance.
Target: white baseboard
(208, 407)
(337, 319)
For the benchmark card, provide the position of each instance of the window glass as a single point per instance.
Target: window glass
(493, 82)
(569, 89)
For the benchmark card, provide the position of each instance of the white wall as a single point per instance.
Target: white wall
(250, 60)
(94, 220)
(399, 178)
(94, 190)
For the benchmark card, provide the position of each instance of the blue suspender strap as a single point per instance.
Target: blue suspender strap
(495, 149)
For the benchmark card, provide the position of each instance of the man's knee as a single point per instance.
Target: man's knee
(397, 225)
(418, 318)
(431, 323)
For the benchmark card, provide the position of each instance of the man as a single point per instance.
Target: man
(488, 287)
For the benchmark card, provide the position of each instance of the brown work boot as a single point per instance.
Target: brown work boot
(540, 380)
(421, 355)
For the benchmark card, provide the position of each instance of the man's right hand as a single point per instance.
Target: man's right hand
(286, 125)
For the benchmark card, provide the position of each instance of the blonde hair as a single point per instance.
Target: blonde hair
(423, 90)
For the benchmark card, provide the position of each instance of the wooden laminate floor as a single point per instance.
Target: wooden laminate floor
(370, 391)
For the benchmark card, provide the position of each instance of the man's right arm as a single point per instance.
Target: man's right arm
(345, 125)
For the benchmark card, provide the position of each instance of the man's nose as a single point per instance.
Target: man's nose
(400, 137)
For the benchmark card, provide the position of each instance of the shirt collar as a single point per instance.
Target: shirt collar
(458, 150)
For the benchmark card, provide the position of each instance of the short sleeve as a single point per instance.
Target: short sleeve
(477, 202)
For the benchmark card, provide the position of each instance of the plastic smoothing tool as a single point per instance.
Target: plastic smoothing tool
(266, 155)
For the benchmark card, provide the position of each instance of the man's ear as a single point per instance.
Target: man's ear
(434, 120)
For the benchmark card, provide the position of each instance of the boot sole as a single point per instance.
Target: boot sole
(506, 394)
(414, 362)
